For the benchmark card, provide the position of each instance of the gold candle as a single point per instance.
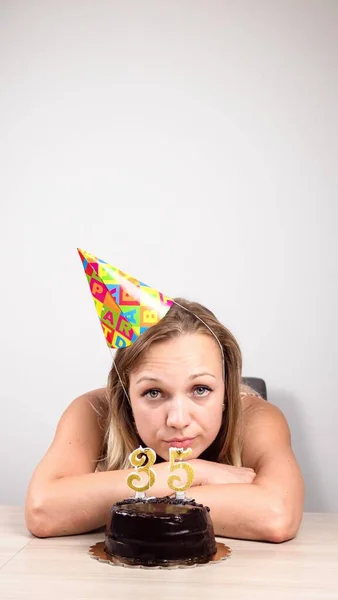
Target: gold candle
(138, 458)
(179, 453)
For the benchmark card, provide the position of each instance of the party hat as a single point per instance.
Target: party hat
(125, 306)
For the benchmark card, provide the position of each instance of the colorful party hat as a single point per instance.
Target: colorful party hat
(125, 306)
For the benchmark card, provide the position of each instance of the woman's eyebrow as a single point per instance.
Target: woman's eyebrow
(157, 380)
(148, 378)
(201, 375)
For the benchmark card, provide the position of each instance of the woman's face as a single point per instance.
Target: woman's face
(177, 394)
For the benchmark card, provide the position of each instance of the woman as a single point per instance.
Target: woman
(177, 385)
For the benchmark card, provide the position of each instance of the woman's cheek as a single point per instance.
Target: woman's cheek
(147, 427)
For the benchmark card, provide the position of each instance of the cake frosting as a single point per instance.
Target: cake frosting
(158, 531)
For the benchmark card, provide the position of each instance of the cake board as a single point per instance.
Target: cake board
(98, 553)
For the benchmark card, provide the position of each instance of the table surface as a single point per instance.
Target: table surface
(305, 568)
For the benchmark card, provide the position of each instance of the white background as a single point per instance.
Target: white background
(192, 144)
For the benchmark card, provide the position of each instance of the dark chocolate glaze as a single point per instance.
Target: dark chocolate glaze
(159, 530)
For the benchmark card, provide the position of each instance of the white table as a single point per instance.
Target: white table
(305, 568)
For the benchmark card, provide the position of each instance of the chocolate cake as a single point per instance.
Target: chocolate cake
(158, 531)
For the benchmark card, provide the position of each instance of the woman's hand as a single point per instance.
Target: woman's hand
(211, 473)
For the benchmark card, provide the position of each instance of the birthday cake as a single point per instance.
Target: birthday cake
(160, 531)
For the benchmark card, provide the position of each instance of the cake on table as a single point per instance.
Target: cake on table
(160, 531)
(149, 531)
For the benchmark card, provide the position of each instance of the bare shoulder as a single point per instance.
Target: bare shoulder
(90, 405)
(78, 438)
(84, 419)
(255, 407)
(265, 430)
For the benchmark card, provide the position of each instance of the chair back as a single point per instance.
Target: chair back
(257, 384)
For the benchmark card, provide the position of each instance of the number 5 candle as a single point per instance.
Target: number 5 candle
(179, 453)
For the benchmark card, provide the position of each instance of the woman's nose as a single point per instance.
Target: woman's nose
(178, 413)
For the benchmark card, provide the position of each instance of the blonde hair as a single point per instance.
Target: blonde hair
(121, 436)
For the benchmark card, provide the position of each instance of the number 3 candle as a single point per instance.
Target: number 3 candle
(138, 458)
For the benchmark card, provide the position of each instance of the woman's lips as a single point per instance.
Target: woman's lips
(182, 443)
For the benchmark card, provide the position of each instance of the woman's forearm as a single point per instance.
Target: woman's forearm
(80, 503)
(246, 511)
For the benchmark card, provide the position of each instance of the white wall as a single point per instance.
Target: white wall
(194, 145)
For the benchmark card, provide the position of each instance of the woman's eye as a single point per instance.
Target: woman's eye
(202, 390)
(152, 394)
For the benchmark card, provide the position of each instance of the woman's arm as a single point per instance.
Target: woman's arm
(79, 503)
(269, 509)
(66, 495)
